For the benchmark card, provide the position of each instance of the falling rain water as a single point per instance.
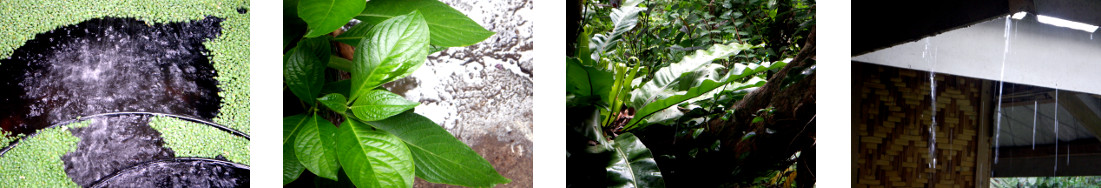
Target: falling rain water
(109, 65)
(933, 96)
(1035, 110)
(1056, 165)
(1001, 86)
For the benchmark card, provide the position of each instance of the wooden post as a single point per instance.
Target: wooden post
(857, 113)
(982, 167)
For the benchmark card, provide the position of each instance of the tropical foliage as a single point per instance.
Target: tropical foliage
(1069, 181)
(638, 70)
(379, 142)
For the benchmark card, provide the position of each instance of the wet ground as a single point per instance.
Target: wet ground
(483, 93)
(111, 144)
(109, 65)
(193, 172)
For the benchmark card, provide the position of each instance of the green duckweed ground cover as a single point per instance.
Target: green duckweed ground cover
(189, 139)
(39, 158)
(37, 162)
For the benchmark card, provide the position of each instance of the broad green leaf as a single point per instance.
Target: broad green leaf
(380, 104)
(291, 125)
(703, 90)
(583, 51)
(314, 146)
(374, 158)
(293, 26)
(450, 28)
(592, 129)
(335, 102)
(680, 76)
(395, 48)
(624, 19)
(677, 78)
(439, 157)
(292, 168)
(358, 32)
(304, 67)
(577, 78)
(587, 83)
(324, 16)
(355, 34)
(691, 68)
(632, 164)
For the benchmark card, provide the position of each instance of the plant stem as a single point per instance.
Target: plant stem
(339, 63)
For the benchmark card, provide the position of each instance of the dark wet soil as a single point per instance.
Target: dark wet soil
(109, 65)
(181, 173)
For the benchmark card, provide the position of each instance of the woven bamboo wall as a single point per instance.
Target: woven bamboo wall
(892, 128)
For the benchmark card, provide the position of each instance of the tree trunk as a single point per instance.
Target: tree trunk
(791, 125)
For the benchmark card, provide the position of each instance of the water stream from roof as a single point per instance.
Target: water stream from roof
(1056, 164)
(1001, 87)
(932, 95)
(1035, 110)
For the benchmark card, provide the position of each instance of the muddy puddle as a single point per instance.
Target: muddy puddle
(483, 93)
(109, 65)
(188, 171)
(110, 144)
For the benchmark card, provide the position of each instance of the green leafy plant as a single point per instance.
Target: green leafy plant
(1063, 181)
(379, 142)
(692, 82)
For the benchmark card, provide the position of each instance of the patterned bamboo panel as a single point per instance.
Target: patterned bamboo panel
(894, 129)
